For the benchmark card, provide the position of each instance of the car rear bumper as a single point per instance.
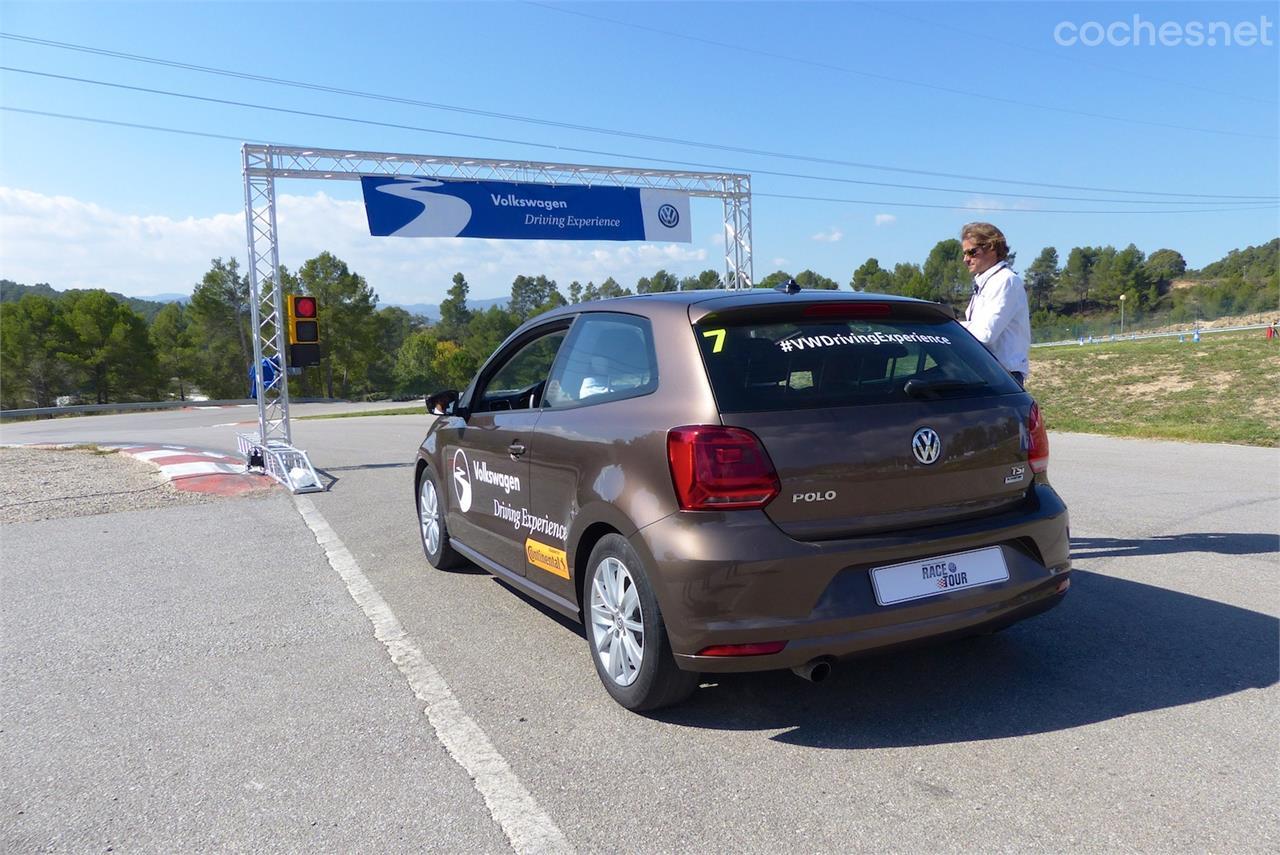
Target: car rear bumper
(735, 578)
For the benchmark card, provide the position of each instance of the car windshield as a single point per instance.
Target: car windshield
(759, 367)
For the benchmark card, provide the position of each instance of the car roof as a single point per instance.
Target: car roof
(721, 299)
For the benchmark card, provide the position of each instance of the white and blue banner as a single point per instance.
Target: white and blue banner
(430, 207)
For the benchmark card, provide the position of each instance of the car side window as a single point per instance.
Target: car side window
(608, 356)
(518, 383)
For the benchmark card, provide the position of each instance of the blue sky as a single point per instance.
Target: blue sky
(979, 91)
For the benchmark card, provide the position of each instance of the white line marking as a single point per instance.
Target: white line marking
(512, 806)
(158, 454)
(179, 470)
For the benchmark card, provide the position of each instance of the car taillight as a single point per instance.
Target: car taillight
(1038, 440)
(718, 468)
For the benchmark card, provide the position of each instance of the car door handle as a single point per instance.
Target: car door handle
(515, 449)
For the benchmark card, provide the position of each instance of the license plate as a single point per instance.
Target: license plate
(915, 580)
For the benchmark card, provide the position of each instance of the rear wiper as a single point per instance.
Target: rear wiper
(932, 389)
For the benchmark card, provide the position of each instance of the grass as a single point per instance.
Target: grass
(418, 410)
(1223, 389)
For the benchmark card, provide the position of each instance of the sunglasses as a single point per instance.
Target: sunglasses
(974, 251)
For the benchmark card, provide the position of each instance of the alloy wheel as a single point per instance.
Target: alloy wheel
(429, 515)
(617, 621)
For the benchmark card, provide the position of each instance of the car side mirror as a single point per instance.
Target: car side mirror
(443, 403)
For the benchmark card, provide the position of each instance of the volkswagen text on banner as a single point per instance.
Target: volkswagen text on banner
(427, 207)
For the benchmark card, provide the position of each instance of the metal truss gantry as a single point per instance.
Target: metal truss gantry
(263, 164)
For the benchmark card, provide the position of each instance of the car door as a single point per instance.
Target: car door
(591, 414)
(487, 463)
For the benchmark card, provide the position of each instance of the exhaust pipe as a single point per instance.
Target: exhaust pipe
(815, 670)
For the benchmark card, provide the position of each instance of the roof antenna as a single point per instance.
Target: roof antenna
(789, 287)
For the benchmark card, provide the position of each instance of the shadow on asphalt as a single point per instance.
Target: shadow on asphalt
(404, 465)
(1220, 543)
(334, 479)
(1113, 648)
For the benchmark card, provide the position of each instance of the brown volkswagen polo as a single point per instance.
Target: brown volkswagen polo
(740, 481)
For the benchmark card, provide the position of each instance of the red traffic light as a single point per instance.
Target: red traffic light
(304, 307)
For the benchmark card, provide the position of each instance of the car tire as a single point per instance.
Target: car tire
(431, 525)
(626, 633)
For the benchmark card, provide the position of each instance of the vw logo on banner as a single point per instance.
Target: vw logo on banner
(461, 480)
(409, 206)
(926, 445)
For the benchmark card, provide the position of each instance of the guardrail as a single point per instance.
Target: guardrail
(86, 409)
(1138, 336)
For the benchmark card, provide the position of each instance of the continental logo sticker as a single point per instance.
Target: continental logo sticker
(547, 557)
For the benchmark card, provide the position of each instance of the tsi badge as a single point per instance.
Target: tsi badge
(813, 497)
(1016, 474)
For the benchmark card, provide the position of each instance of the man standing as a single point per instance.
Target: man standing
(997, 315)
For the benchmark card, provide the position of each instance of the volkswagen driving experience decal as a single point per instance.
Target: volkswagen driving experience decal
(468, 475)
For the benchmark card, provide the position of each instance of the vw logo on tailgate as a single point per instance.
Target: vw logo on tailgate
(926, 445)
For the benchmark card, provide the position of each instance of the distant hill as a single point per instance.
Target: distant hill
(11, 292)
(1256, 265)
(151, 305)
(166, 298)
(432, 310)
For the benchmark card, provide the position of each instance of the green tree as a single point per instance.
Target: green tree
(218, 323)
(1164, 266)
(816, 281)
(610, 288)
(575, 291)
(175, 354)
(532, 295)
(415, 371)
(1077, 273)
(453, 365)
(870, 276)
(34, 340)
(774, 279)
(660, 282)
(393, 327)
(945, 274)
(707, 280)
(109, 346)
(345, 307)
(1042, 278)
(908, 280)
(488, 329)
(454, 314)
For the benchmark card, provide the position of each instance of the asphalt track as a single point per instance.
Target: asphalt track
(202, 678)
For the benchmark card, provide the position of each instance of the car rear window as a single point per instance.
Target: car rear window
(830, 362)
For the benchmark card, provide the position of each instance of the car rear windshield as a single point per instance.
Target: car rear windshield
(830, 362)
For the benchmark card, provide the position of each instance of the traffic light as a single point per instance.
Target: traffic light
(304, 331)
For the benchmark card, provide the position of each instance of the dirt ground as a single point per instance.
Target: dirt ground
(53, 483)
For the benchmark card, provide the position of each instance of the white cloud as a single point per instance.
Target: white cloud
(885, 219)
(831, 235)
(780, 262)
(75, 244)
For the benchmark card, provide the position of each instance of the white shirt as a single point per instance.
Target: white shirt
(998, 316)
